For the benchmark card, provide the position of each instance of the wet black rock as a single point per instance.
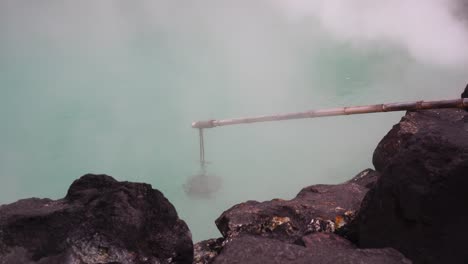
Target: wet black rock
(100, 220)
(418, 205)
(317, 208)
(320, 248)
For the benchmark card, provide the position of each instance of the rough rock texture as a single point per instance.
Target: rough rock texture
(320, 248)
(100, 220)
(316, 208)
(419, 204)
(366, 178)
(205, 251)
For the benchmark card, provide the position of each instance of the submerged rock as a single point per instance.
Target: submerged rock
(100, 220)
(317, 208)
(318, 248)
(418, 206)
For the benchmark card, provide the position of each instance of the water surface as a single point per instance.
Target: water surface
(112, 87)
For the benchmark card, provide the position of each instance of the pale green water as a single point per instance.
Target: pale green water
(113, 89)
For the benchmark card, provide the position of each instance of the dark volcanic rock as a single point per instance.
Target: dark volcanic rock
(418, 206)
(100, 220)
(205, 251)
(331, 248)
(316, 208)
(321, 248)
(366, 178)
(465, 92)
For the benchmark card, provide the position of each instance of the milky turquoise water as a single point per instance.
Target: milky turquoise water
(113, 89)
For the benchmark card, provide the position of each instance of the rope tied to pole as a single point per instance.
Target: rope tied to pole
(461, 103)
(202, 149)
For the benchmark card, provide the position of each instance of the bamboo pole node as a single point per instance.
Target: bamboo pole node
(348, 110)
(461, 103)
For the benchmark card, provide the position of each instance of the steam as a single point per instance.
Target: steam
(431, 31)
(428, 29)
(112, 86)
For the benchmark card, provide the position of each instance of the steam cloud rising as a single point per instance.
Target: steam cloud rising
(112, 86)
(430, 30)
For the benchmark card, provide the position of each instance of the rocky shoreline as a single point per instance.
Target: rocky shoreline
(410, 209)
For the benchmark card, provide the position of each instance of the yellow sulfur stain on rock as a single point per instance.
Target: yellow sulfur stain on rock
(339, 221)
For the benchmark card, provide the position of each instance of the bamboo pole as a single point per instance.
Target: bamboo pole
(352, 110)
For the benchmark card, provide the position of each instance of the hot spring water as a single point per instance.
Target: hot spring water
(112, 87)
